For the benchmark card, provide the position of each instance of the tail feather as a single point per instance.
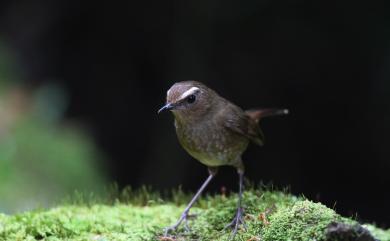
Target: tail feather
(258, 114)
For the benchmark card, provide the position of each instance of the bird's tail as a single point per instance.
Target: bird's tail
(258, 114)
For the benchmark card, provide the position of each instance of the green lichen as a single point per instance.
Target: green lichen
(270, 215)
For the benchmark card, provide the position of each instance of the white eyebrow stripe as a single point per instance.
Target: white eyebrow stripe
(168, 92)
(191, 91)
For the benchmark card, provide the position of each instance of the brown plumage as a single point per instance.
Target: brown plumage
(214, 131)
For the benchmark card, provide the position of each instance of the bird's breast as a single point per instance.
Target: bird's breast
(210, 143)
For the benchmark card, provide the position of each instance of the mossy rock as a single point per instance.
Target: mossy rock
(270, 215)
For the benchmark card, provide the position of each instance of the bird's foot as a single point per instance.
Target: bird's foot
(236, 222)
(183, 218)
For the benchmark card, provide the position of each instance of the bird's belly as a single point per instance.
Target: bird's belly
(212, 147)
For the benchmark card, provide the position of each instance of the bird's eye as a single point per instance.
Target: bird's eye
(191, 99)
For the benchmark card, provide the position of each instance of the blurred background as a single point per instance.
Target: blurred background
(80, 84)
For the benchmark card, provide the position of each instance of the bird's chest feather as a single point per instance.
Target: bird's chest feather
(210, 143)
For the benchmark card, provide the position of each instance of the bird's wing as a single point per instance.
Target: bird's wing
(237, 121)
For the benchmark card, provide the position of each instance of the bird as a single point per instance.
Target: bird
(215, 132)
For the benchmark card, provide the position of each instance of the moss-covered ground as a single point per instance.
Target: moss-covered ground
(270, 215)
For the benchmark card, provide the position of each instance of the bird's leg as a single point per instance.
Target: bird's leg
(239, 216)
(184, 215)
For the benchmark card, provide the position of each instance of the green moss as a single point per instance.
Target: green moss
(304, 220)
(380, 234)
(142, 216)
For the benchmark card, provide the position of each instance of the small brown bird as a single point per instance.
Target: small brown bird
(215, 132)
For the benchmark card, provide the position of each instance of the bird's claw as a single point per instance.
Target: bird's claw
(183, 218)
(236, 222)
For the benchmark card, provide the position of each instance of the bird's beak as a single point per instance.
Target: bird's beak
(168, 106)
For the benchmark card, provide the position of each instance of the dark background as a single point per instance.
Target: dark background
(327, 61)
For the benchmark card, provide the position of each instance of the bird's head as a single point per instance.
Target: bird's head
(189, 100)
